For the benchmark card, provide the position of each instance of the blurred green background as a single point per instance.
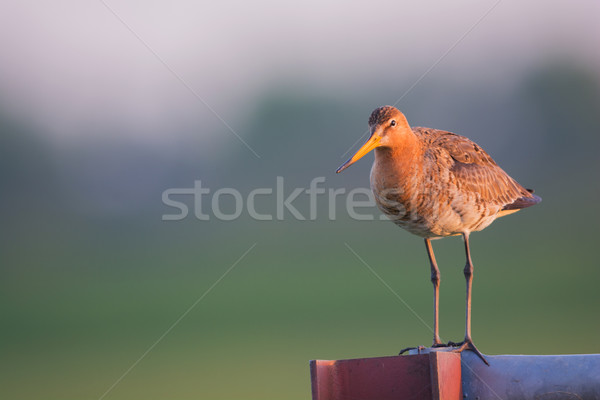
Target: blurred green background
(93, 129)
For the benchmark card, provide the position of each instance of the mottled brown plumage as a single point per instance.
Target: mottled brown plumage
(452, 185)
(434, 184)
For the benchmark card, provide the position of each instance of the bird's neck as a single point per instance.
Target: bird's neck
(401, 157)
(396, 170)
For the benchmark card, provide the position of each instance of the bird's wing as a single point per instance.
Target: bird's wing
(474, 171)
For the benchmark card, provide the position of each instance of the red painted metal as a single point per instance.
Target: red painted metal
(446, 375)
(435, 376)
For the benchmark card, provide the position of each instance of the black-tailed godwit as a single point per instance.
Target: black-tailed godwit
(435, 184)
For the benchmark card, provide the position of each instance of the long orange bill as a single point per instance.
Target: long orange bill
(367, 147)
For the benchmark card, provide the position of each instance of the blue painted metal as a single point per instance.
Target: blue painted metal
(531, 377)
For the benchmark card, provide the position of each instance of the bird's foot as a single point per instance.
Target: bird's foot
(418, 348)
(468, 344)
(436, 344)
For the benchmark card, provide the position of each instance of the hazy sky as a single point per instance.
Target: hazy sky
(70, 65)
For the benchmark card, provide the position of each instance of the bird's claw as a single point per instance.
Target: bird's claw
(418, 348)
(468, 344)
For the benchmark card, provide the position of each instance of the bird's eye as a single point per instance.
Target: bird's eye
(393, 123)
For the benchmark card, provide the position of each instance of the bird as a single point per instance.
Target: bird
(436, 184)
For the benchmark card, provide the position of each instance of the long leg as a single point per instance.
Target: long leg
(468, 271)
(435, 279)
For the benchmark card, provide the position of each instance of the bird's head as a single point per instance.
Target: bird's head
(387, 126)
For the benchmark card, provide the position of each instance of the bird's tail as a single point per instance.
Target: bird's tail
(524, 202)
